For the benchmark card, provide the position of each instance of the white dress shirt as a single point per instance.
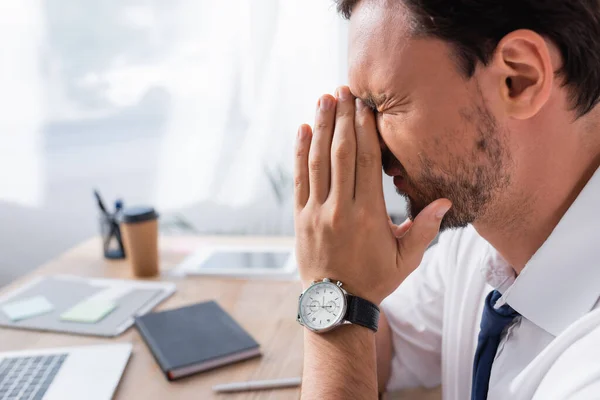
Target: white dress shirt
(552, 351)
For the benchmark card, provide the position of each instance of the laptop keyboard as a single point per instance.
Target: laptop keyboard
(28, 378)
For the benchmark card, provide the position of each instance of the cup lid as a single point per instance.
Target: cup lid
(138, 214)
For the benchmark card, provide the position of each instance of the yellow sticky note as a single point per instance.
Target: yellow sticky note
(88, 311)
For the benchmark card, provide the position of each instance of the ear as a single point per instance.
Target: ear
(526, 73)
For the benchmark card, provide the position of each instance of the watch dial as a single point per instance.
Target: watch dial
(321, 306)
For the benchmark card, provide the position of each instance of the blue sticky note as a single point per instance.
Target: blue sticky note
(27, 308)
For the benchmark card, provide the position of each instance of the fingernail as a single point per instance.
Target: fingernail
(343, 93)
(359, 104)
(325, 103)
(439, 214)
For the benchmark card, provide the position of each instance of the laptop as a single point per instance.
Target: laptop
(70, 373)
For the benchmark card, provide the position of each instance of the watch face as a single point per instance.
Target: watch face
(322, 306)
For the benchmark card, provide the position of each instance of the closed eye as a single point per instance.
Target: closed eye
(370, 103)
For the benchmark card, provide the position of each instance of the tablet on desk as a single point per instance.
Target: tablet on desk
(264, 262)
(245, 260)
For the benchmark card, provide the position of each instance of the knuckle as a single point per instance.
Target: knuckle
(337, 218)
(345, 113)
(342, 151)
(316, 222)
(303, 229)
(298, 224)
(301, 152)
(321, 125)
(365, 159)
(298, 182)
(360, 118)
(362, 217)
(315, 164)
(307, 218)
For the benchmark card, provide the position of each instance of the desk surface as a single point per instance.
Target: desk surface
(266, 309)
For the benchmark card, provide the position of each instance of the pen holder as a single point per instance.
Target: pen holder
(112, 241)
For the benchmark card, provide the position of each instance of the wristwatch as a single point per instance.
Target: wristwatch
(326, 305)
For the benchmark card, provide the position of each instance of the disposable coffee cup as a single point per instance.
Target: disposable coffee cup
(139, 228)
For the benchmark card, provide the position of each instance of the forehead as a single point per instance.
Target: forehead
(387, 61)
(379, 44)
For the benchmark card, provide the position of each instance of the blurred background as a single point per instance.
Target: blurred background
(188, 105)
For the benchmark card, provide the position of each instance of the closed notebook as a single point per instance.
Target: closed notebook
(195, 338)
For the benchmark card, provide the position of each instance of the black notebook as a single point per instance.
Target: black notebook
(195, 338)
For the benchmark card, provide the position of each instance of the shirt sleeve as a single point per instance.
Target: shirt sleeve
(415, 313)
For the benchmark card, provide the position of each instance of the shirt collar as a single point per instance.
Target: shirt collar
(561, 282)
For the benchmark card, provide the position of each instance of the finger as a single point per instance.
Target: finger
(400, 230)
(319, 157)
(424, 229)
(301, 185)
(368, 155)
(343, 148)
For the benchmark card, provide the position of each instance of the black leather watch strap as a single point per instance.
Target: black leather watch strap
(362, 312)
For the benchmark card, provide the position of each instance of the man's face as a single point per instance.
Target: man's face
(439, 137)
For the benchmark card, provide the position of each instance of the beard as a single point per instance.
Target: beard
(471, 182)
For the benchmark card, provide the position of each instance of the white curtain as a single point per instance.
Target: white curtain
(21, 103)
(236, 106)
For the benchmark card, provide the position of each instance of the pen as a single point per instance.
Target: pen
(258, 385)
(100, 203)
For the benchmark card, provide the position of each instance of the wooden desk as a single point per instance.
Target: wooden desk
(266, 309)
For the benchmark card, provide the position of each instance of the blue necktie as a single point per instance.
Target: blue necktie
(493, 322)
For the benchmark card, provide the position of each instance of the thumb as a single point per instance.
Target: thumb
(424, 229)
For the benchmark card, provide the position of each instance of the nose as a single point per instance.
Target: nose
(391, 165)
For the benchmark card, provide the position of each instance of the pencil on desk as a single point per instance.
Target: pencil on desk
(258, 385)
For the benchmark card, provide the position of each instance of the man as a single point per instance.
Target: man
(485, 114)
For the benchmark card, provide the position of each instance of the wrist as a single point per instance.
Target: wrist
(345, 342)
(348, 335)
(339, 350)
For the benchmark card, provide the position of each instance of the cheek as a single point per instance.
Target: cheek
(434, 135)
(407, 139)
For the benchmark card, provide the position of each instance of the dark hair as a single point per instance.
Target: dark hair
(474, 28)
